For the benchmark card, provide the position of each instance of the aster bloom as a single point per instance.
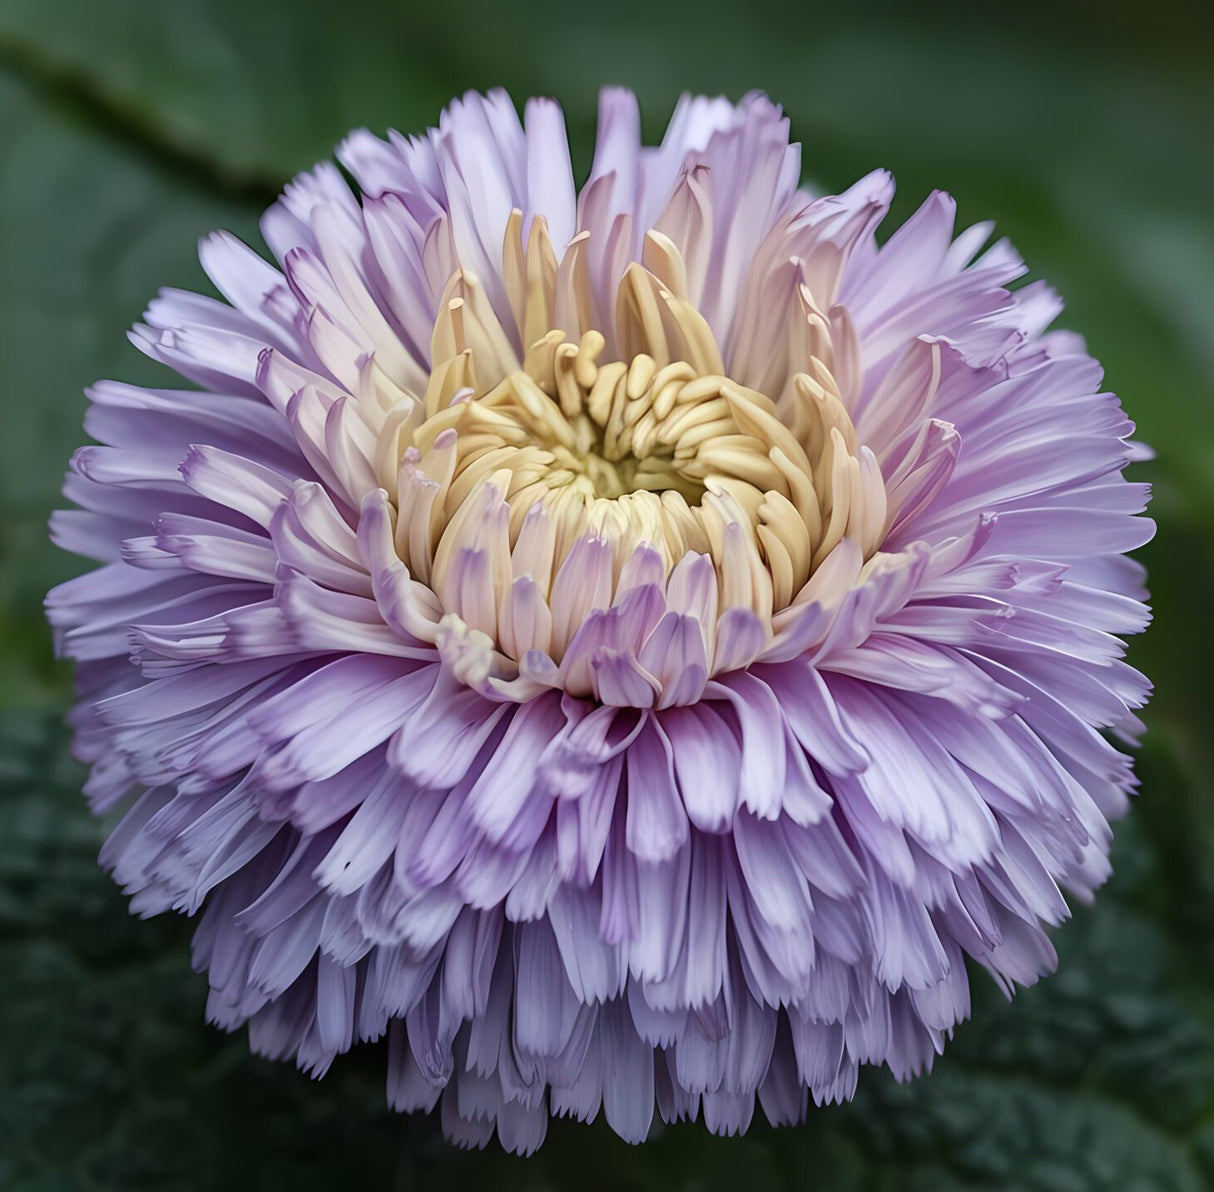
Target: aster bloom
(627, 647)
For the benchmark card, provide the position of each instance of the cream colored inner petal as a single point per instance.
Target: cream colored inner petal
(659, 447)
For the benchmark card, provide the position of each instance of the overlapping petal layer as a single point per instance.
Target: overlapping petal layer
(626, 646)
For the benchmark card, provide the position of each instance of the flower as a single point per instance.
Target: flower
(625, 646)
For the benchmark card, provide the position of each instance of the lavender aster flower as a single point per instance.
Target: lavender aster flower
(626, 646)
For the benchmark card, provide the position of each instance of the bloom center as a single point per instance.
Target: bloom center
(625, 430)
(610, 430)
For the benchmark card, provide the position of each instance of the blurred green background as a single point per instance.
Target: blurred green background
(130, 128)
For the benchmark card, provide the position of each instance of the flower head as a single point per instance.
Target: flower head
(627, 646)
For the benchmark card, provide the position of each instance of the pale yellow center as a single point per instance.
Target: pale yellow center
(647, 441)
